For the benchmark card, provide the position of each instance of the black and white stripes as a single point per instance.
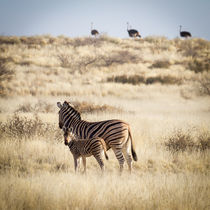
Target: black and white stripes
(115, 133)
(85, 148)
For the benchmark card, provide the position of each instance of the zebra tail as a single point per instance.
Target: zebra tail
(134, 155)
(106, 156)
(104, 147)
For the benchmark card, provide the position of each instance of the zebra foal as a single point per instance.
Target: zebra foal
(85, 148)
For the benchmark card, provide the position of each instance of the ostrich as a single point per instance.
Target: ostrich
(184, 34)
(94, 32)
(132, 32)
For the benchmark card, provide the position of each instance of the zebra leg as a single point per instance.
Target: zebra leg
(119, 155)
(75, 164)
(100, 162)
(79, 164)
(84, 164)
(127, 156)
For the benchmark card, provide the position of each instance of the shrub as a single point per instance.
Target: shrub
(23, 128)
(65, 60)
(120, 57)
(9, 40)
(204, 141)
(193, 47)
(34, 40)
(199, 65)
(138, 79)
(180, 141)
(165, 80)
(161, 64)
(133, 79)
(81, 63)
(204, 85)
(69, 61)
(6, 74)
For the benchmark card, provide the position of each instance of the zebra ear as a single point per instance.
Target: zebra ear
(68, 103)
(59, 105)
(65, 104)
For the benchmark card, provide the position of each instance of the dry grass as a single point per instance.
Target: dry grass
(45, 65)
(156, 85)
(138, 79)
(67, 191)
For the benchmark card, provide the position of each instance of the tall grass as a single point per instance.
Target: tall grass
(67, 191)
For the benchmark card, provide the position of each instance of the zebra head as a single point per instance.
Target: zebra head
(61, 113)
(68, 135)
(66, 114)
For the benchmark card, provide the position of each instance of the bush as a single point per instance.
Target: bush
(165, 80)
(133, 79)
(180, 142)
(120, 57)
(203, 87)
(81, 63)
(138, 79)
(193, 47)
(161, 64)
(199, 65)
(204, 141)
(6, 74)
(9, 40)
(23, 128)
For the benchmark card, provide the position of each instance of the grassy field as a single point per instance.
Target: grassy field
(160, 87)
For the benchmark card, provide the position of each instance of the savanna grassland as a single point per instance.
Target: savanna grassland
(160, 87)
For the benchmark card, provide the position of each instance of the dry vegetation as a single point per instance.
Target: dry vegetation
(160, 86)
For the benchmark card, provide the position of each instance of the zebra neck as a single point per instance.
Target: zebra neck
(71, 122)
(78, 127)
(71, 144)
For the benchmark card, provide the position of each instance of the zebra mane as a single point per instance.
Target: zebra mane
(77, 114)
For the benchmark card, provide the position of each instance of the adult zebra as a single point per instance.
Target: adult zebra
(115, 133)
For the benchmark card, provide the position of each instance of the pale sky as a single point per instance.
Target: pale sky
(73, 17)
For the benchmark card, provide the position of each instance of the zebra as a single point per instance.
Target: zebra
(116, 133)
(85, 148)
